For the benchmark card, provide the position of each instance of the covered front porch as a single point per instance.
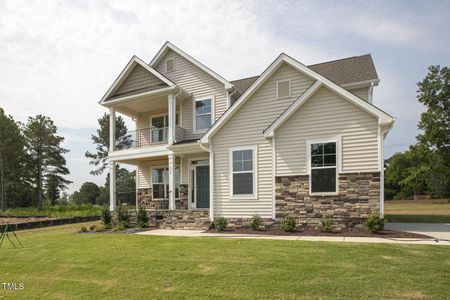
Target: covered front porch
(178, 181)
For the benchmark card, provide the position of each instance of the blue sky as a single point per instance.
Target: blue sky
(59, 57)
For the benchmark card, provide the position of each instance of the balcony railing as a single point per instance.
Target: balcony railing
(144, 137)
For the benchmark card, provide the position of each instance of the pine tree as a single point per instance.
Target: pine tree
(44, 148)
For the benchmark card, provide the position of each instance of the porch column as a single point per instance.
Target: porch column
(172, 116)
(112, 129)
(112, 186)
(171, 158)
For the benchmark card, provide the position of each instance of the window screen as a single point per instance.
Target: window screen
(203, 114)
(242, 169)
(323, 167)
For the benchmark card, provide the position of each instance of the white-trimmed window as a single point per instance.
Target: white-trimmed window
(243, 177)
(203, 114)
(170, 66)
(323, 167)
(283, 89)
(160, 183)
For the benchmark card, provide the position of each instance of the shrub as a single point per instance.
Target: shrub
(220, 223)
(123, 218)
(326, 224)
(142, 217)
(83, 229)
(106, 217)
(375, 223)
(288, 223)
(92, 227)
(256, 222)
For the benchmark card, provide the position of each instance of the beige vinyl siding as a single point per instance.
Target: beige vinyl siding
(139, 78)
(143, 170)
(194, 80)
(326, 115)
(246, 128)
(185, 164)
(362, 93)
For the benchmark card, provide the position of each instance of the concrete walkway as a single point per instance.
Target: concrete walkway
(199, 233)
(437, 230)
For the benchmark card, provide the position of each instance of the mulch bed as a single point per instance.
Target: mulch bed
(18, 220)
(350, 232)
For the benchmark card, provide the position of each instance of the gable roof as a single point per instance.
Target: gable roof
(342, 72)
(169, 46)
(383, 117)
(126, 72)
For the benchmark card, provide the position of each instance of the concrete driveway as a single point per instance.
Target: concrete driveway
(437, 230)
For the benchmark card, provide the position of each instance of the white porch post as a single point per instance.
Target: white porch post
(172, 116)
(112, 129)
(171, 158)
(112, 186)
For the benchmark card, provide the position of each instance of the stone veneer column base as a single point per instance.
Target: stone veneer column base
(359, 195)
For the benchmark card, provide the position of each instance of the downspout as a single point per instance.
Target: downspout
(175, 116)
(371, 92)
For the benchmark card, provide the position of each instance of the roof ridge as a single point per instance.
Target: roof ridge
(340, 59)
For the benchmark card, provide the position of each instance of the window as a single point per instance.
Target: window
(203, 114)
(283, 89)
(160, 183)
(323, 167)
(169, 65)
(243, 166)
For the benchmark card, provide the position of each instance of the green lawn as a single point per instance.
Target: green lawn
(55, 211)
(58, 263)
(418, 211)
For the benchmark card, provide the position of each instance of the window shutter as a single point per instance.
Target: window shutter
(284, 89)
(169, 65)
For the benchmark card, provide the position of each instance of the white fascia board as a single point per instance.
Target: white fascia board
(139, 153)
(127, 70)
(169, 46)
(269, 132)
(360, 84)
(131, 98)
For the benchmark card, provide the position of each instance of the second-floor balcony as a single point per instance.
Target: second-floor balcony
(147, 137)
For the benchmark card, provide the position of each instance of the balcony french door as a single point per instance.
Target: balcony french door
(159, 126)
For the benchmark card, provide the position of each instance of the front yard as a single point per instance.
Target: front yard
(418, 211)
(59, 263)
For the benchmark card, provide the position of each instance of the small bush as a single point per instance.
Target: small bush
(100, 229)
(288, 223)
(326, 224)
(106, 216)
(142, 217)
(220, 223)
(123, 218)
(83, 229)
(256, 222)
(375, 223)
(93, 227)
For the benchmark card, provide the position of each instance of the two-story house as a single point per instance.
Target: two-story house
(300, 140)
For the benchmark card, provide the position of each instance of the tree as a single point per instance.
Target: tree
(44, 149)
(434, 93)
(125, 186)
(87, 194)
(54, 185)
(15, 184)
(101, 140)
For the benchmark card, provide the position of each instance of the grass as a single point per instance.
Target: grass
(418, 211)
(54, 211)
(58, 263)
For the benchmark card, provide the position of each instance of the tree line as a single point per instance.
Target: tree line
(32, 163)
(425, 168)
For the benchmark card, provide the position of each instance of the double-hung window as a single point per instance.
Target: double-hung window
(243, 171)
(160, 183)
(323, 167)
(203, 114)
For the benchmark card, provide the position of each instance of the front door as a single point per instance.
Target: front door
(202, 191)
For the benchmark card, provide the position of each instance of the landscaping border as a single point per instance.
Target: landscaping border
(48, 223)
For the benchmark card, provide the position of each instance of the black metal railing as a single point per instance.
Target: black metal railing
(142, 138)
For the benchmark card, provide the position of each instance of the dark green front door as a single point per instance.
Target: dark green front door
(202, 179)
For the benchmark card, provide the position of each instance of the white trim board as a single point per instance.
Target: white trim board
(169, 46)
(127, 70)
(383, 118)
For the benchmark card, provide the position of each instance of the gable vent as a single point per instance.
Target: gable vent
(283, 88)
(169, 65)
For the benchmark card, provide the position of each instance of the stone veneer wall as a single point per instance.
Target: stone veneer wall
(359, 194)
